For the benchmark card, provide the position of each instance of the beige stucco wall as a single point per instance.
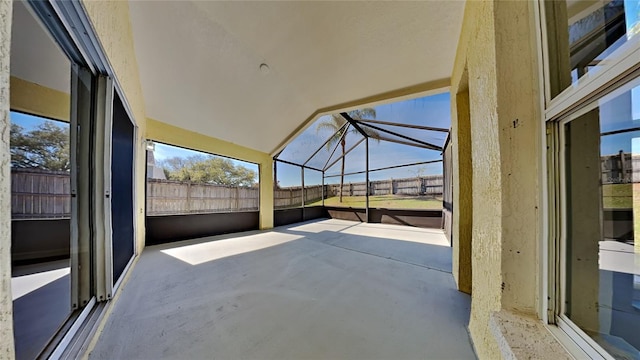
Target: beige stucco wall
(39, 100)
(477, 51)
(519, 117)
(462, 187)
(498, 54)
(6, 303)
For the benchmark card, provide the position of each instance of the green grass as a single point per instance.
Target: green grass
(617, 196)
(384, 201)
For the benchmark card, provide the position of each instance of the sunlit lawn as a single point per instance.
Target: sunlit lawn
(621, 196)
(617, 196)
(385, 201)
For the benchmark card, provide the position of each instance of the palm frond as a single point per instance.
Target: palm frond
(372, 133)
(365, 113)
(326, 126)
(333, 123)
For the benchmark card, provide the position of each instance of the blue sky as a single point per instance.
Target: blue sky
(618, 113)
(163, 151)
(29, 122)
(428, 111)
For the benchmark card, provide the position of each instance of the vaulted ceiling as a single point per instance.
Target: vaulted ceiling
(200, 60)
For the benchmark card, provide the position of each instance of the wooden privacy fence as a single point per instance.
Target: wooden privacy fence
(418, 186)
(38, 194)
(46, 194)
(166, 197)
(292, 196)
(424, 185)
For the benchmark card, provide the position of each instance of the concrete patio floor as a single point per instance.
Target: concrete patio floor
(326, 289)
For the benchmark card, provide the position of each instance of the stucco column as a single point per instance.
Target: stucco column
(266, 193)
(519, 133)
(462, 188)
(497, 55)
(6, 303)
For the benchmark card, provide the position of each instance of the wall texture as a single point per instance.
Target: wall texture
(462, 187)
(6, 304)
(39, 100)
(519, 117)
(477, 50)
(497, 55)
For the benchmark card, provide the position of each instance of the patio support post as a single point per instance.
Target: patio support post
(323, 194)
(302, 176)
(366, 144)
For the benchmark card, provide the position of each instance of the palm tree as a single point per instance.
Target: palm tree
(335, 123)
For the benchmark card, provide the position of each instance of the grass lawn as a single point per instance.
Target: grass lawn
(385, 201)
(616, 196)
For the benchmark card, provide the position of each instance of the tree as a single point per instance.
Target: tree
(420, 171)
(45, 147)
(335, 123)
(208, 170)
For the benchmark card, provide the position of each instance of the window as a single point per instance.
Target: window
(589, 37)
(593, 118)
(40, 215)
(601, 162)
(41, 212)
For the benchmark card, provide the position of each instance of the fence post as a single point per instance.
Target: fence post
(302, 179)
(189, 196)
(238, 197)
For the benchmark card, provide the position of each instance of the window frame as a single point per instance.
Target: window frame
(570, 103)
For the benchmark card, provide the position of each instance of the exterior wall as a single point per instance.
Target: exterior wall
(6, 303)
(170, 134)
(497, 52)
(476, 52)
(447, 191)
(519, 116)
(39, 100)
(460, 149)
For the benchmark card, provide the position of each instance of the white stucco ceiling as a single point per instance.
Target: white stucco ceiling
(35, 56)
(199, 60)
